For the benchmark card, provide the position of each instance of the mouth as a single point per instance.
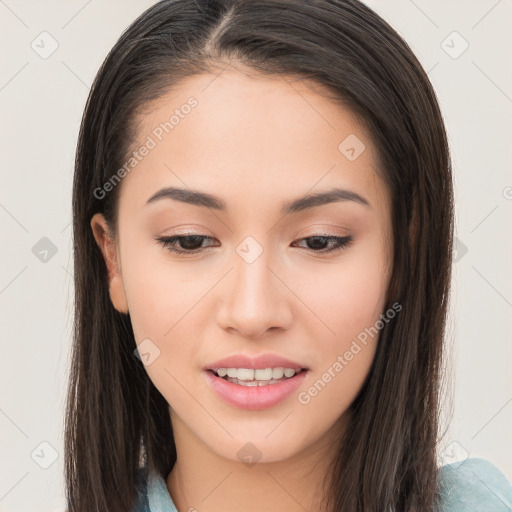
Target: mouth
(255, 389)
(256, 377)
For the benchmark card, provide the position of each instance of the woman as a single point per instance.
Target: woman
(263, 222)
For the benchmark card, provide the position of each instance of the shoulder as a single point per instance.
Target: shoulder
(142, 504)
(474, 485)
(152, 493)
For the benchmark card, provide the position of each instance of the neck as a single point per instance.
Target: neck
(201, 479)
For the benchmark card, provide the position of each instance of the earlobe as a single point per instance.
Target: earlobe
(117, 295)
(107, 246)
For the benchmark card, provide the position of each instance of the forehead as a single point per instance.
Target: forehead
(238, 135)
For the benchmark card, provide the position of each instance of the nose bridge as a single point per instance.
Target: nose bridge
(255, 300)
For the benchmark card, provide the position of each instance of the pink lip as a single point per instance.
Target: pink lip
(260, 361)
(254, 398)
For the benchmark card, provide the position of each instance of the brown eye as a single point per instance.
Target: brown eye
(325, 244)
(188, 244)
(192, 244)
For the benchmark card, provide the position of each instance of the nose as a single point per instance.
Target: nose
(254, 299)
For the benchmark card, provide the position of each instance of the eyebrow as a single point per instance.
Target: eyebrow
(197, 198)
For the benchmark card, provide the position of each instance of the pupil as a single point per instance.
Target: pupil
(312, 240)
(190, 242)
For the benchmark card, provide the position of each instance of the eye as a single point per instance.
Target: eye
(325, 243)
(192, 244)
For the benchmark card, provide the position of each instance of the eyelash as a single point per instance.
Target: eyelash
(341, 242)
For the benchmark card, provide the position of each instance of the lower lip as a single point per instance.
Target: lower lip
(255, 397)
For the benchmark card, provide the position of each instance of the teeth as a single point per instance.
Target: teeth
(265, 374)
(256, 376)
(244, 374)
(256, 383)
(277, 373)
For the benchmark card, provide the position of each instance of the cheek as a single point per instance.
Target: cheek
(351, 300)
(162, 311)
(349, 295)
(159, 291)
(162, 299)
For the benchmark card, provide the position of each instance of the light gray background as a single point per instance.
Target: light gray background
(41, 103)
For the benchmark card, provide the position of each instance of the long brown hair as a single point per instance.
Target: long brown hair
(116, 419)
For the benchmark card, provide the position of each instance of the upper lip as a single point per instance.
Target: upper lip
(255, 362)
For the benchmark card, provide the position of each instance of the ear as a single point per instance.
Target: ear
(106, 244)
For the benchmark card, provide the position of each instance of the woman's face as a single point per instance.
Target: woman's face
(261, 284)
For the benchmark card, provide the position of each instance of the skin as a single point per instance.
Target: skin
(256, 142)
